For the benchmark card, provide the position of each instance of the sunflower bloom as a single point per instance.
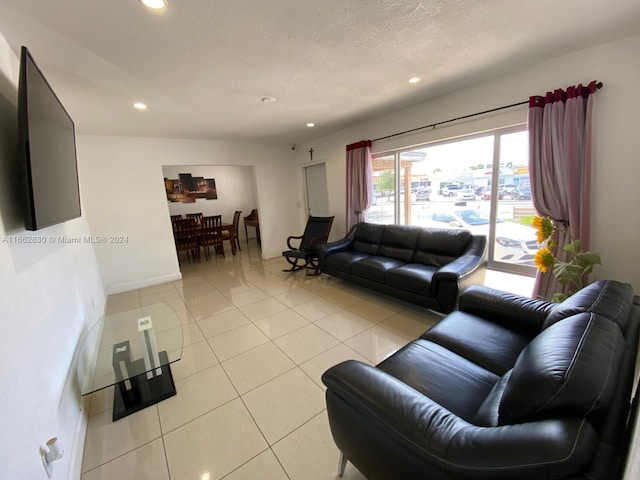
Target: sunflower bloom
(544, 259)
(544, 228)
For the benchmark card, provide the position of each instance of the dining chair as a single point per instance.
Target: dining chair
(176, 217)
(211, 235)
(196, 216)
(185, 234)
(232, 235)
(252, 220)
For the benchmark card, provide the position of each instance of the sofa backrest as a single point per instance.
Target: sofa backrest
(608, 298)
(399, 242)
(570, 369)
(440, 246)
(367, 237)
(409, 243)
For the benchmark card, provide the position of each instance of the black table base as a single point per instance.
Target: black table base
(143, 391)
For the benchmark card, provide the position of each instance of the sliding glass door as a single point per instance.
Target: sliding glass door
(480, 183)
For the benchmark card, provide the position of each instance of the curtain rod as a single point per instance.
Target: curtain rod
(599, 85)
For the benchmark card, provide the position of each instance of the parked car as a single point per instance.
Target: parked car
(524, 193)
(422, 194)
(451, 190)
(484, 193)
(466, 194)
(508, 192)
(515, 243)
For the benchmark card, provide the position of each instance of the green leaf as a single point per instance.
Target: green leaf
(559, 297)
(567, 272)
(589, 258)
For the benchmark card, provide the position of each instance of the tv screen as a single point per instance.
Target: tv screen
(47, 151)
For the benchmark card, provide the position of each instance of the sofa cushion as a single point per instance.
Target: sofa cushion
(345, 260)
(485, 343)
(445, 377)
(439, 246)
(488, 413)
(608, 298)
(367, 237)
(568, 369)
(374, 267)
(399, 241)
(413, 277)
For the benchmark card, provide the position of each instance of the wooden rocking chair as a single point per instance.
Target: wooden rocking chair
(305, 255)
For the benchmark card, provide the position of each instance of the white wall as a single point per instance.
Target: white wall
(51, 294)
(235, 186)
(126, 196)
(616, 169)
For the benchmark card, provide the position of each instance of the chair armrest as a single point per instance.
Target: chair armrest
(524, 314)
(317, 241)
(291, 247)
(443, 441)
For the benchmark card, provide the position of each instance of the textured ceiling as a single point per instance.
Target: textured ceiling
(202, 65)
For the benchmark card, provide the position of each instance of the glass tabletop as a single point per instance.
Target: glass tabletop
(127, 344)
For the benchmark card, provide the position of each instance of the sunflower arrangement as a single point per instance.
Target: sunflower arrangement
(571, 272)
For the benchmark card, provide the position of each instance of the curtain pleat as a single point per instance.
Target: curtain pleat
(560, 167)
(359, 190)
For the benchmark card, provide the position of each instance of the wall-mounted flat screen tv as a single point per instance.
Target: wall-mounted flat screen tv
(47, 151)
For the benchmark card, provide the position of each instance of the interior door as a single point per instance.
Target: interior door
(316, 186)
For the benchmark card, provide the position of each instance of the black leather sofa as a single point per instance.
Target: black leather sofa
(507, 387)
(424, 266)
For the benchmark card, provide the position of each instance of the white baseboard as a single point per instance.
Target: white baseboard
(77, 450)
(150, 282)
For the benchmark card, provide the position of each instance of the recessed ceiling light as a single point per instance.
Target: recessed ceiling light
(139, 106)
(311, 124)
(267, 99)
(414, 79)
(154, 4)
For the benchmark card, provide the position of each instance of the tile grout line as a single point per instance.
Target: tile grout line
(201, 271)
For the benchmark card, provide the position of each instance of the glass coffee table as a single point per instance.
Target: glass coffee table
(132, 350)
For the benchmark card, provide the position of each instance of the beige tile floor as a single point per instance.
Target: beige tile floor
(250, 402)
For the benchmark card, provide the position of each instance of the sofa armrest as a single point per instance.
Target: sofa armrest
(325, 249)
(526, 315)
(454, 277)
(409, 421)
(473, 258)
(394, 404)
(460, 267)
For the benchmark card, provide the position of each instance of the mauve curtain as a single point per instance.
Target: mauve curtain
(359, 172)
(560, 167)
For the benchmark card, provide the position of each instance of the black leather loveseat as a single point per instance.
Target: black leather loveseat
(424, 266)
(505, 388)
